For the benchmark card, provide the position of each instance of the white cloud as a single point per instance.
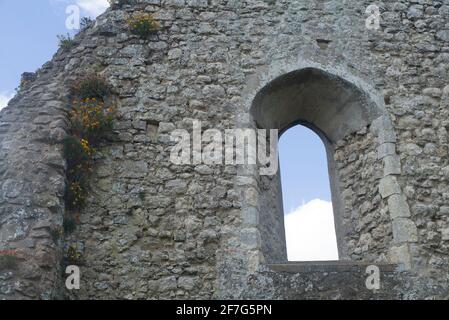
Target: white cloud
(4, 99)
(310, 232)
(93, 7)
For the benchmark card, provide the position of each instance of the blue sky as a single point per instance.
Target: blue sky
(309, 221)
(28, 33)
(303, 164)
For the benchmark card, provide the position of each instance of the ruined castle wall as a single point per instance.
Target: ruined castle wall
(152, 229)
(366, 218)
(155, 230)
(32, 178)
(405, 69)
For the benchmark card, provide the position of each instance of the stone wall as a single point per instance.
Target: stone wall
(365, 215)
(32, 172)
(156, 230)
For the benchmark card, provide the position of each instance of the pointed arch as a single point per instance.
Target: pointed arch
(332, 107)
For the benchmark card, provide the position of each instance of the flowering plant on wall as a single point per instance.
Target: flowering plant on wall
(143, 24)
(91, 120)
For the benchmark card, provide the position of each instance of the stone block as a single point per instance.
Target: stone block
(392, 165)
(444, 210)
(389, 186)
(400, 255)
(445, 234)
(250, 216)
(398, 206)
(404, 230)
(250, 238)
(187, 283)
(386, 149)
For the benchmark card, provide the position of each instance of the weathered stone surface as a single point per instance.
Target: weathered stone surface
(404, 230)
(389, 186)
(398, 206)
(11, 188)
(386, 149)
(445, 234)
(443, 35)
(401, 254)
(154, 230)
(392, 165)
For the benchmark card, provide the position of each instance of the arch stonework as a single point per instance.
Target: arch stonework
(334, 109)
(152, 229)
